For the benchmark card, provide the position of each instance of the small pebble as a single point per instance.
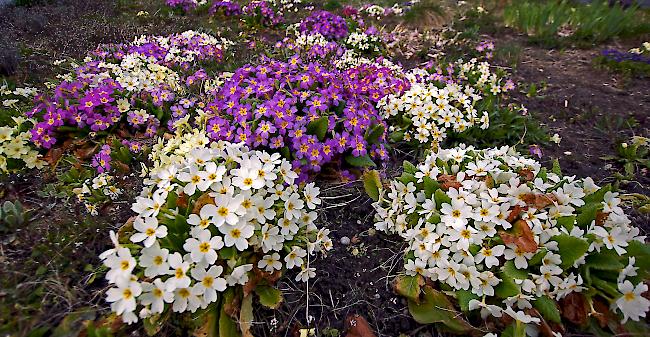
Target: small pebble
(345, 240)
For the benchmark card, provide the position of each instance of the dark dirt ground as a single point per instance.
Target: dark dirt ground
(53, 261)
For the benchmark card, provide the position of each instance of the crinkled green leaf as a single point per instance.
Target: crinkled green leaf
(570, 248)
(374, 134)
(318, 127)
(464, 297)
(435, 307)
(430, 186)
(548, 309)
(409, 286)
(270, 297)
(360, 161)
(512, 271)
(441, 198)
(371, 183)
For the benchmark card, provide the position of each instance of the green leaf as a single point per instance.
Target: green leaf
(587, 214)
(507, 287)
(270, 297)
(435, 307)
(604, 260)
(372, 184)
(246, 317)
(641, 252)
(318, 127)
(409, 286)
(396, 136)
(556, 168)
(512, 271)
(570, 248)
(406, 178)
(464, 297)
(548, 309)
(537, 258)
(362, 161)
(374, 134)
(597, 196)
(430, 186)
(73, 323)
(441, 198)
(409, 168)
(567, 222)
(227, 326)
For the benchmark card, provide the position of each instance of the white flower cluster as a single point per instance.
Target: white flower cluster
(180, 55)
(433, 111)
(480, 75)
(375, 11)
(205, 222)
(496, 215)
(362, 42)
(285, 6)
(137, 73)
(644, 49)
(95, 189)
(15, 139)
(352, 59)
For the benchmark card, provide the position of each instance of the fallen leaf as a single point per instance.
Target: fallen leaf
(203, 200)
(516, 212)
(601, 217)
(520, 235)
(527, 174)
(448, 181)
(538, 200)
(602, 314)
(86, 152)
(574, 308)
(357, 326)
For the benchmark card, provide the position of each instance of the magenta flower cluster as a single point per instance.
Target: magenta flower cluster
(317, 114)
(263, 12)
(228, 8)
(90, 101)
(186, 5)
(331, 26)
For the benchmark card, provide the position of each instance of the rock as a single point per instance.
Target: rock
(9, 58)
(345, 240)
(35, 23)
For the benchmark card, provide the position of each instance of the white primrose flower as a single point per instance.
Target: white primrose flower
(203, 246)
(121, 265)
(123, 296)
(209, 282)
(179, 269)
(294, 258)
(149, 231)
(154, 260)
(270, 262)
(632, 304)
(155, 295)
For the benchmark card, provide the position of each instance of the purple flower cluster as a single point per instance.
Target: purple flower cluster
(486, 47)
(102, 159)
(331, 26)
(228, 8)
(186, 5)
(263, 13)
(619, 56)
(329, 52)
(89, 101)
(316, 114)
